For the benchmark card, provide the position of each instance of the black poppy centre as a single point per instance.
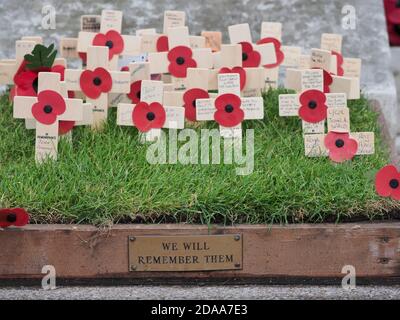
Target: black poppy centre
(312, 104)
(180, 60)
(109, 44)
(150, 116)
(244, 56)
(394, 183)
(339, 143)
(229, 108)
(12, 217)
(97, 81)
(47, 109)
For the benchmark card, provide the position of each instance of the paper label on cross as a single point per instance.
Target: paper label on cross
(292, 56)
(338, 120)
(312, 79)
(47, 134)
(313, 128)
(331, 42)
(321, 59)
(91, 23)
(365, 141)
(314, 145)
(173, 19)
(352, 67)
(336, 100)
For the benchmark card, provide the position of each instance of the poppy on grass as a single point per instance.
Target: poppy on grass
(340, 146)
(17, 217)
(387, 182)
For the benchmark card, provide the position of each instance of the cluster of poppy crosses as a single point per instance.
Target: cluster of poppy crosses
(95, 82)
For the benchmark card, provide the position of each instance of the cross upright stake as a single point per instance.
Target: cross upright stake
(150, 115)
(229, 109)
(97, 82)
(110, 36)
(48, 108)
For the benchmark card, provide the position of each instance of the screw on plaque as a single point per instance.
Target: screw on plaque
(133, 268)
(132, 238)
(237, 237)
(237, 265)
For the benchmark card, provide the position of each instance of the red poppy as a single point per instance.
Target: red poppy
(250, 57)
(189, 98)
(65, 126)
(83, 57)
(27, 83)
(93, 83)
(312, 106)
(340, 146)
(339, 59)
(327, 81)
(17, 217)
(148, 116)
(229, 112)
(240, 71)
(280, 56)
(134, 93)
(180, 58)
(50, 105)
(387, 182)
(162, 44)
(112, 39)
(125, 68)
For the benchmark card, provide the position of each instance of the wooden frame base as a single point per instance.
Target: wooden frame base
(316, 253)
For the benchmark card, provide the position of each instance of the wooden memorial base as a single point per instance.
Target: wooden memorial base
(248, 253)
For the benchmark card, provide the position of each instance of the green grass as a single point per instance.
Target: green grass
(105, 178)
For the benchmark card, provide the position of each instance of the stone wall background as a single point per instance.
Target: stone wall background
(303, 20)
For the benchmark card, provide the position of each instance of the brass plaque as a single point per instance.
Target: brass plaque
(186, 253)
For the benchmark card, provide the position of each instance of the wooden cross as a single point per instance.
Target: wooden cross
(110, 36)
(229, 60)
(69, 46)
(150, 115)
(229, 109)
(97, 83)
(197, 86)
(138, 71)
(342, 74)
(48, 108)
(8, 67)
(180, 57)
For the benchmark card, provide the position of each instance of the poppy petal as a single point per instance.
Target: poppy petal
(65, 126)
(162, 44)
(87, 86)
(231, 118)
(250, 57)
(134, 93)
(20, 217)
(106, 79)
(54, 99)
(117, 41)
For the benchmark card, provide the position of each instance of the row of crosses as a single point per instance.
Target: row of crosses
(174, 80)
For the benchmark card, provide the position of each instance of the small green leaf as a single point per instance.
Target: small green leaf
(41, 56)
